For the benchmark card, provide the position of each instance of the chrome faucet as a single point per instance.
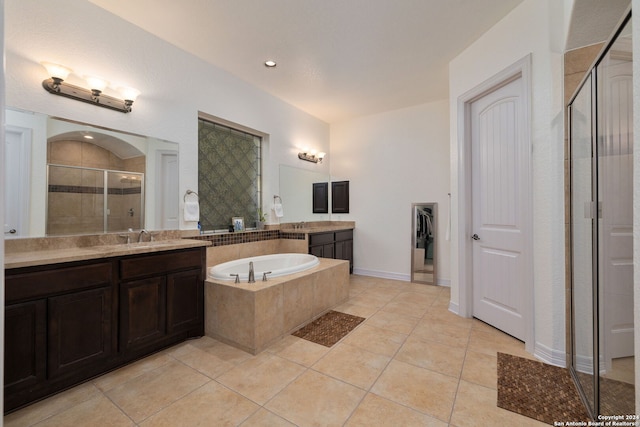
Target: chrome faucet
(252, 277)
(143, 231)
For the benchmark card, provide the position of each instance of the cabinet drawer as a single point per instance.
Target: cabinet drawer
(159, 264)
(344, 235)
(321, 238)
(44, 283)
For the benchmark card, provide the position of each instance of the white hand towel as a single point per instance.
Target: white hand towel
(277, 208)
(191, 211)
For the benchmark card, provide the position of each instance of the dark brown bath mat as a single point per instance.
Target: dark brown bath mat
(536, 390)
(329, 328)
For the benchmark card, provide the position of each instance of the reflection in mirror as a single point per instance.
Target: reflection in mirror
(615, 227)
(95, 184)
(296, 192)
(141, 173)
(581, 244)
(423, 242)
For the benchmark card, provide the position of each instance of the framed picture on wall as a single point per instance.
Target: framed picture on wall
(238, 223)
(320, 197)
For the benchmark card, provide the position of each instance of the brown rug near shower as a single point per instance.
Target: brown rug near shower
(536, 390)
(329, 328)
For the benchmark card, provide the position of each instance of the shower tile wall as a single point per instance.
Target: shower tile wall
(76, 201)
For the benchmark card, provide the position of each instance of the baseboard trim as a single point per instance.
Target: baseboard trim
(395, 276)
(453, 307)
(444, 282)
(550, 356)
(382, 274)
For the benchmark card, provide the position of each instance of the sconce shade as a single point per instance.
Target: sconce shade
(56, 71)
(96, 83)
(129, 93)
(56, 86)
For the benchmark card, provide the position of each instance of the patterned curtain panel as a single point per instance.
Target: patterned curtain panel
(228, 175)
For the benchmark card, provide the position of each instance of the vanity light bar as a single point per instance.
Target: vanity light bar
(87, 95)
(311, 157)
(57, 86)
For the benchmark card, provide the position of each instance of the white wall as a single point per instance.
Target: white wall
(175, 86)
(535, 27)
(392, 160)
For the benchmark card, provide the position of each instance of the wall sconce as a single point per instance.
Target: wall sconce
(55, 84)
(315, 158)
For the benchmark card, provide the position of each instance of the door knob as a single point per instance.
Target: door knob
(12, 231)
(475, 237)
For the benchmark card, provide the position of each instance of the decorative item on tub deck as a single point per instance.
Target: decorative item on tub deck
(191, 207)
(262, 218)
(238, 223)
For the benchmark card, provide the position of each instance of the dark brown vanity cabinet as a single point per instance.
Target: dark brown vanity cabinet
(65, 323)
(25, 335)
(322, 245)
(59, 328)
(333, 244)
(161, 299)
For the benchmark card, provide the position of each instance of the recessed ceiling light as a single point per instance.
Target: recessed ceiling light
(270, 64)
(88, 137)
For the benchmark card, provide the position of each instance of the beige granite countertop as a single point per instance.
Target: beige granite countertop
(54, 256)
(319, 227)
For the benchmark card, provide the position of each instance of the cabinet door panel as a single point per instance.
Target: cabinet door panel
(185, 306)
(316, 250)
(25, 345)
(143, 311)
(328, 251)
(80, 330)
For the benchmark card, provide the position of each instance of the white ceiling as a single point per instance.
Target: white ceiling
(337, 59)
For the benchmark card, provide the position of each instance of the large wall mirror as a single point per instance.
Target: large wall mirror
(69, 178)
(423, 243)
(307, 196)
(296, 193)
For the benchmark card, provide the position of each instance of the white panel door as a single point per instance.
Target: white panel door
(17, 169)
(167, 195)
(499, 175)
(615, 161)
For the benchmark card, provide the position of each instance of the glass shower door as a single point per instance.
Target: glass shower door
(615, 225)
(583, 253)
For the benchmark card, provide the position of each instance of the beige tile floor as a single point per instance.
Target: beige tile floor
(411, 363)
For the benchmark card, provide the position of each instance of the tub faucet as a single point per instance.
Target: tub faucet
(252, 277)
(143, 231)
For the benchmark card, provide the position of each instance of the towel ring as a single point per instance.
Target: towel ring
(277, 197)
(189, 192)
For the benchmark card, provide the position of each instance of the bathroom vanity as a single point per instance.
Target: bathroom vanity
(90, 310)
(336, 244)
